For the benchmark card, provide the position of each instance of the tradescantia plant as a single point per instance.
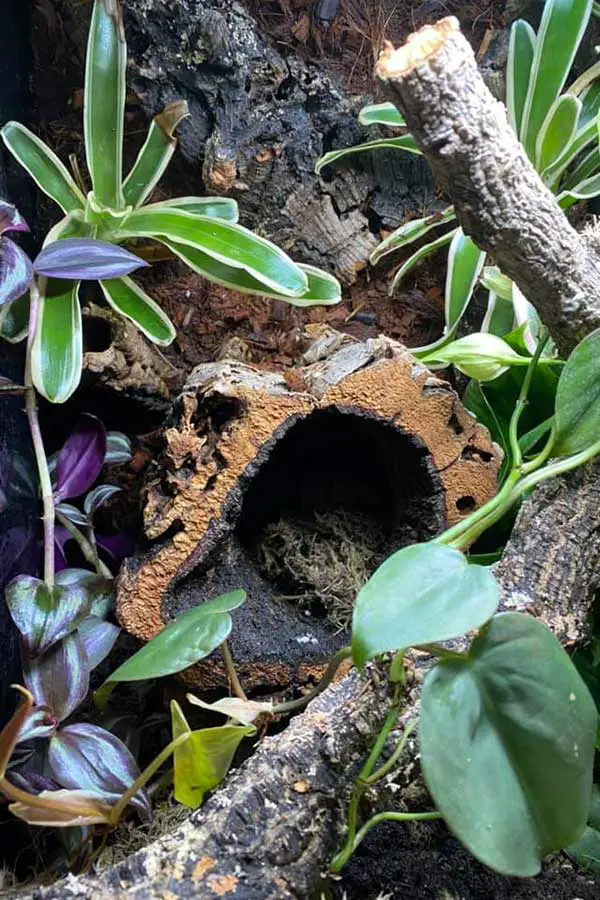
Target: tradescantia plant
(559, 132)
(202, 231)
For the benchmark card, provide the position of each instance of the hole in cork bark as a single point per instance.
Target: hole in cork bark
(338, 492)
(97, 334)
(465, 504)
(455, 424)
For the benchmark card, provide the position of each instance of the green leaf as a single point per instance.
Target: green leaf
(559, 35)
(499, 316)
(104, 102)
(585, 190)
(476, 402)
(586, 851)
(155, 154)
(202, 762)
(46, 169)
(589, 165)
(14, 320)
(381, 114)
(578, 399)
(214, 207)
(588, 135)
(557, 131)
(190, 637)
(406, 142)
(493, 279)
(56, 357)
(128, 299)
(520, 57)
(590, 103)
(410, 232)
(227, 243)
(529, 440)
(507, 745)
(420, 254)
(479, 355)
(421, 594)
(323, 288)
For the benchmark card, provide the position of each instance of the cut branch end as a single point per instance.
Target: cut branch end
(421, 45)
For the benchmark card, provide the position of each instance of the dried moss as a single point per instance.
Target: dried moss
(321, 564)
(130, 836)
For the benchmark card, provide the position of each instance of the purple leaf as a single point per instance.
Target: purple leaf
(98, 638)
(59, 679)
(70, 512)
(118, 448)
(98, 497)
(44, 615)
(85, 259)
(11, 219)
(32, 782)
(39, 723)
(118, 545)
(87, 757)
(100, 590)
(81, 459)
(15, 271)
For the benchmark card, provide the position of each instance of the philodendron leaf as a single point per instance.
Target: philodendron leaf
(57, 354)
(81, 459)
(44, 614)
(59, 678)
(586, 851)
(244, 711)
(507, 745)
(89, 757)
(129, 300)
(85, 259)
(578, 399)
(190, 637)
(421, 594)
(202, 762)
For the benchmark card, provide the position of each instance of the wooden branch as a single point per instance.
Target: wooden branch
(499, 198)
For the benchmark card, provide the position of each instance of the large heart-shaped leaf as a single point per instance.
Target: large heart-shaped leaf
(60, 678)
(507, 745)
(202, 762)
(578, 399)
(421, 594)
(98, 638)
(44, 614)
(81, 458)
(190, 637)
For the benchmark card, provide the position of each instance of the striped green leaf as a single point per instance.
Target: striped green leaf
(104, 102)
(323, 289)
(420, 254)
(559, 35)
(227, 243)
(381, 114)
(520, 58)
(128, 299)
(581, 141)
(410, 232)
(558, 131)
(499, 316)
(56, 357)
(406, 142)
(589, 165)
(155, 154)
(465, 262)
(46, 169)
(585, 190)
(214, 207)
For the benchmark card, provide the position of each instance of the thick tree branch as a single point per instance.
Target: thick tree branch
(499, 198)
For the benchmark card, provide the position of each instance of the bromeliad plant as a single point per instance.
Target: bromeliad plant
(202, 231)
(559, 132)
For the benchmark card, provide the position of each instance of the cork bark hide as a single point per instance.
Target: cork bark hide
(366, 425)
(499, 198)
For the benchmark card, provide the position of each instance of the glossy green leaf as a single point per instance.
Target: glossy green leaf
(45, 615)
(56, 358)
(46, 169)
(323, 289)
(155, 154)
(557, 131)
(585, 138)
(420, 594)
(202, 762)
(223, 241)
(499, 316)
(475, 400)
(128, 299)
(465, 262)
(411, 231)
(104, 102)
(585, 190)
(406, 142)
(518, 68)
(479, 355)
(214, 207)
(14, 320)
(190, 637)
(589, 166)
(528, 441)
(590, 103)
(420, 254)
(578, 399)
(507, 745)
(586, 851)
(561, 30)
(381, 114)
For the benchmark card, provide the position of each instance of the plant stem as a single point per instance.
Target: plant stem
(462, 535)
(36, 438)
(236, 685)
(440, 652)
(119, 808)
(342, 858)
(84, 546)
(300, 703)
(387, 767)
(513, 429)
(36, 802)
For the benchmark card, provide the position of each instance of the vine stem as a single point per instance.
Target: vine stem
(236, 685)
(31, 409)
(300, 703)
(85, 546)
(343, 857)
